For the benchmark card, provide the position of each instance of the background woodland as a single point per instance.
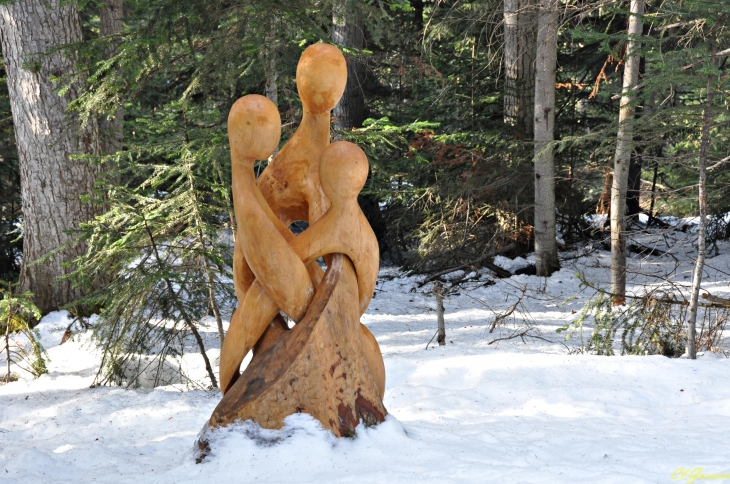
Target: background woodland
(493, 127)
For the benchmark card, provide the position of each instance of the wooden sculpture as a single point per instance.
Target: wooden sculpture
(328, 365)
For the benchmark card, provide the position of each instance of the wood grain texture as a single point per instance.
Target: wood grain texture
(328, 365)
(318, 367)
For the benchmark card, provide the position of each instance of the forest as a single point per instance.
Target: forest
(549, 185)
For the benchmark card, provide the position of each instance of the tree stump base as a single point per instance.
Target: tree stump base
(318, 367)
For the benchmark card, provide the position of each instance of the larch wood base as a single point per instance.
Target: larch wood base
(318, 367)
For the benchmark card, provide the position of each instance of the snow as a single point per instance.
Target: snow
(511, 265)
(52, 327)
(467, 412)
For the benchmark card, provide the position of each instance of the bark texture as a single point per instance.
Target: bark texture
(520, 46)
(546, 250)
(271, 90)
(52, 183)
(701, 232)
(110, 24)
(438, 290)
(348, 31)
(633, 190)
(319, 367)
(622, 158)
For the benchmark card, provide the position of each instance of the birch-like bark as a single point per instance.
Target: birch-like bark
(110, 24)
(701, 231)
(622, 157)
(52, 182)
(520, 44)
(348, 31)
(546, 250)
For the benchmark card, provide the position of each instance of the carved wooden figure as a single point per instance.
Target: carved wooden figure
(328, 365)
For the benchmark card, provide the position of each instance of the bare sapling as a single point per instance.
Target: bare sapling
(622, 158)
(701, 231)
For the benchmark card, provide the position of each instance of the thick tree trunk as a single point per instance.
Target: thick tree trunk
(622, 158)
(110, 23)
(52, 183)
(348, 31)
(546, 250)
(700, 263)
(271, 90)
(520, 45)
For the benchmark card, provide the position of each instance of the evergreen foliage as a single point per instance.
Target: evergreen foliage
(17, 314)
(165, 242)
(450, 180)
(648, 325)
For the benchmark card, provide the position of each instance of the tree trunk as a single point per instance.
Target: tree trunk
(110, 24)
(700, 263)
(520, 44)
(438, 290)
(7, 345)
(546, 250)
(622, 158)
(272, 74)
(348, 31)
(633, 191)
(417, 6)
(52, 183)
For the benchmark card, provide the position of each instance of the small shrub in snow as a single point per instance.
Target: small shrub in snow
(649, 325)
(16, 313)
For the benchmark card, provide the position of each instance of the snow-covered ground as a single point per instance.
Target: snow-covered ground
(470, 411)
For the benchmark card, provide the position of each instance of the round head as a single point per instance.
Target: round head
(254, 127)
(321, 77)
(343, 170)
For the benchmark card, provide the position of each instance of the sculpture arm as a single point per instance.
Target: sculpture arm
(334, 234)
(277, 267)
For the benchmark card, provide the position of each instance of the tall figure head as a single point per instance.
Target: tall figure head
(321, 77)
(254, 128)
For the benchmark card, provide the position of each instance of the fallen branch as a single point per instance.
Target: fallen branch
(618, 96)
(718, 54)
(644, 250)
(718, 301)
(715, 301)
(480, 260)
(526, 334)
(507, 313)
(496, 269)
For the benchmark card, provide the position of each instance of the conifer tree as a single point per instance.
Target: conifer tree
(53, 181)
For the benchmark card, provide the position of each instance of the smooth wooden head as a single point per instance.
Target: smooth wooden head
(329, 365)
(321, 77)
(343, 170)
(254, 128)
